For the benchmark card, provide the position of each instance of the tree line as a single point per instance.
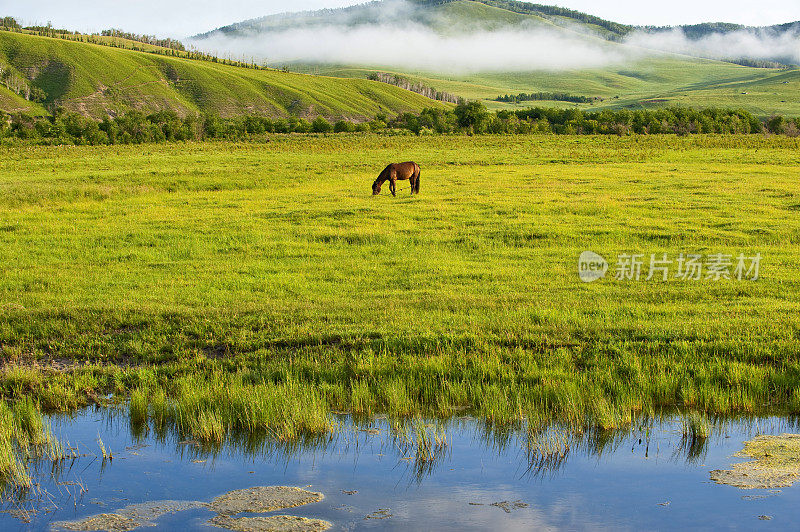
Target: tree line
(474, 118)
(550, 11)
(11, 24)
(419, 88)
(147, 39)
(546, 96)
(116, 38)
(136, 127)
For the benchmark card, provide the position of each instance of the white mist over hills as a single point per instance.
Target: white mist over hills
(401, 34)
(179, 18)
(421, 48)
(741, 44)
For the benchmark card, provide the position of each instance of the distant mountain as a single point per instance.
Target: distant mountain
(460, 16)
(698, 65)
(441, 15)
(699, 31)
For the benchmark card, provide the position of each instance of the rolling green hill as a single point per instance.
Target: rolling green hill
(99, 80)
(441, 15)
(652, 80)
(655, 82)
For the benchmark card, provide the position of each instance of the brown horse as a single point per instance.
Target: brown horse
(395, 172)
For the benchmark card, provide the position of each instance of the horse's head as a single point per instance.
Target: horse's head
(376, 188)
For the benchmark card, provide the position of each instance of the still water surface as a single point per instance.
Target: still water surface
(482, 480)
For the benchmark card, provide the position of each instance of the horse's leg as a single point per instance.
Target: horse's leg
(392, 185)
(413, 182)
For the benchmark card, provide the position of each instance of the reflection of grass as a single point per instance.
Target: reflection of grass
(23, 436)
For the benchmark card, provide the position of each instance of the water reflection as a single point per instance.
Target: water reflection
(545, 475)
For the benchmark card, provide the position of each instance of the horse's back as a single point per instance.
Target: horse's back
(407, 169)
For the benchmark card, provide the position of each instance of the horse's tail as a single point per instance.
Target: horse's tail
(418, 172)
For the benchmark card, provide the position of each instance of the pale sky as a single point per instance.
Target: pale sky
(180, 18)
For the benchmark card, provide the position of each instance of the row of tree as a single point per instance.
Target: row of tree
(147, 39)
(473, 117)
(135, 127)
(11, 24)
(545, 96)
(558, 13)
(18, 84)
(419, 88)
(116, 38)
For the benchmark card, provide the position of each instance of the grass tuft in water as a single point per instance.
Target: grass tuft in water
(23, 436)
(695, 426)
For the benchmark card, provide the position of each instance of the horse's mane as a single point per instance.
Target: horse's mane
(384, 175)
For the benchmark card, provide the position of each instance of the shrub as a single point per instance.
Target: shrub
(320, 125)
(343, 126)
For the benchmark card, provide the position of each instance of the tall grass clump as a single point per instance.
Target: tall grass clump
(137, 407)
(695, 426)
(209, 407)
(207, 427)
(24, 436)
(12, 471)
(28, 422)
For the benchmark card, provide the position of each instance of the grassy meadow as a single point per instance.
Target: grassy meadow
(649, 83)
(244, 286)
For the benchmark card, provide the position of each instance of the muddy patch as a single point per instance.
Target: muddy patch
(260, 499)
(131, 517)
(112, 522)
(263, 499)
(274, 523)
(775, 464)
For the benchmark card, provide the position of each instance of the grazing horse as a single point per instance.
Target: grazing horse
(395, 172)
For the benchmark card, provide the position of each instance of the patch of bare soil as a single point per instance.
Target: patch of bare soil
(263, 499)
(111, 522)
(775, 464)
(131, 517)
(260, 499)
(274, 523)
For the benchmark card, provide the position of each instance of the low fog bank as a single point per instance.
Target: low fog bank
(742, 44)
(423, 49)
(420, 47)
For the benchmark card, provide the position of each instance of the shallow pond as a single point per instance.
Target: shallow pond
(640, 479)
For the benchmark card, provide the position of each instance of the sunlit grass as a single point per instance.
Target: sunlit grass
(229, 288)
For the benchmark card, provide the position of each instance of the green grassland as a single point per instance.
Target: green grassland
(260, 286)
(648, 83)
(98, 80)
